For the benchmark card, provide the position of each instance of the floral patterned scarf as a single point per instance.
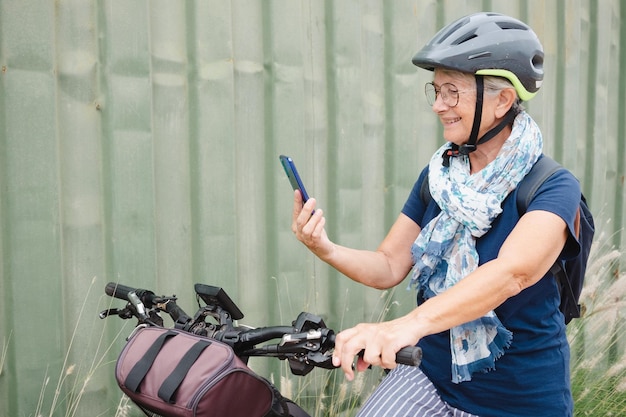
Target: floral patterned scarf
(445, 250)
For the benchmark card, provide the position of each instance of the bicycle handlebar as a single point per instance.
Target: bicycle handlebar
(409, 355)
(148, 299)
(294, 339)
(120, 291)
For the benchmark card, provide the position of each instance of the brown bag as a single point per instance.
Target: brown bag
(174, 373)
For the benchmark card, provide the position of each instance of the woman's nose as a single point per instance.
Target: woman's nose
(439, 104)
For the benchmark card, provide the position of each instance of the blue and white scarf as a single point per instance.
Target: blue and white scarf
(445, 250)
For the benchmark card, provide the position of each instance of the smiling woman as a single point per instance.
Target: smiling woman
(477, 265)
(138, 141)
(466, 105)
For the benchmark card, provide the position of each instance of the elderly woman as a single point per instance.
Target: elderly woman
(488, 318)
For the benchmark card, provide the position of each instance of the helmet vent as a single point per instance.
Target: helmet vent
(465, 38)
(511, 25)
(444, 35)
(484, 54)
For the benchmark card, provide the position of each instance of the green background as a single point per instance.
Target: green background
(139, 143)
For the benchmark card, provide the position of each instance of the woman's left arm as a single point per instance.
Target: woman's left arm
(526, 255)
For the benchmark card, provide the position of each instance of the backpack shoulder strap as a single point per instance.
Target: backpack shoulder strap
(425, 192)
(541, 171)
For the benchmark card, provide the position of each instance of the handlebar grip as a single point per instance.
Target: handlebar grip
(410, 355)
(113, 289)
(176, 313)
(116, 290)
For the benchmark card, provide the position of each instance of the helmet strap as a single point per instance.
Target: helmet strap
(471, 144)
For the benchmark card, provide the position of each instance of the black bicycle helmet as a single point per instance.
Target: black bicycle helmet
(488, 44)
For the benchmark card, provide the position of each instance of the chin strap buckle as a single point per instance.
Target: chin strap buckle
(466, 149)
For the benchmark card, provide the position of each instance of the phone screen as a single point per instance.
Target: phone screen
(294, 177)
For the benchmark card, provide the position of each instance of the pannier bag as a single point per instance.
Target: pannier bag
(168, 372)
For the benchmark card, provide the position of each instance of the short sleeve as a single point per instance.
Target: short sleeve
(560, 194)
(414, 207)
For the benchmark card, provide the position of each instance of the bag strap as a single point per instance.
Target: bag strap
(541, 171)
(172, 382)
(141, 368)
(425, 195)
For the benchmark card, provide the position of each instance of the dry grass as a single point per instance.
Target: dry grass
(4, 351)
(598, 341)
(74, 379)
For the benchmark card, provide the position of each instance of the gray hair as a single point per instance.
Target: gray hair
(496, 84)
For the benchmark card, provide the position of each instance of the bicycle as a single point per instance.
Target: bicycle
(306, 344)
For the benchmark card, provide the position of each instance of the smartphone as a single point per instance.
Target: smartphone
(294, 177)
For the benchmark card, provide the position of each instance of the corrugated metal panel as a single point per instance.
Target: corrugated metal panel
(139, 143)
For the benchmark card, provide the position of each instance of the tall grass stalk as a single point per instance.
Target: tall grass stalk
(4, 351)
(124, 407)
(74, 380)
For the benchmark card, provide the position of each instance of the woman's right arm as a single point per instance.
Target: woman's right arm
(383, 268)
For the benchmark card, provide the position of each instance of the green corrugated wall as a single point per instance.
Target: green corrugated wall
(139, 143)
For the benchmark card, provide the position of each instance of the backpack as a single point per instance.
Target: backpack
(570, 273)
(168, 372)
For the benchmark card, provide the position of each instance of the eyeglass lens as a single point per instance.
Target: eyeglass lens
(449, 94)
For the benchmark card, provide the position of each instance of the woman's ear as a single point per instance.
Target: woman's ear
(506, 99)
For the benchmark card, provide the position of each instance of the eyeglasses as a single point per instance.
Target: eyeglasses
(449, 94)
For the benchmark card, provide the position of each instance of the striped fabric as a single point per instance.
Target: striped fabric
(405, 392)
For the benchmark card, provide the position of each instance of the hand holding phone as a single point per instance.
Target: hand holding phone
(318, 242)
(294, 177)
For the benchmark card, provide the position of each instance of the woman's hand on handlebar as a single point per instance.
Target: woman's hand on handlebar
(379, 342)
(308, 226)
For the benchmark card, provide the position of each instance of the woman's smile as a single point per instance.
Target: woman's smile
(447, 121)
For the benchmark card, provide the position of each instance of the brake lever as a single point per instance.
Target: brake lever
(109, 312)
(138, 306)
(124, 313)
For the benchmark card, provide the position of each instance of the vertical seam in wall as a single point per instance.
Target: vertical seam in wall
(106, 146)
(591, 98)
(621, 132)
(194, 139)
(5, 226)
(332, 163)
(66, 325)
(271, 250)
(559, 107)
(389, 135)
(155, 215)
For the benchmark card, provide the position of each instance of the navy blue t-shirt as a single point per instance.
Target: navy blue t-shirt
(532, 378)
